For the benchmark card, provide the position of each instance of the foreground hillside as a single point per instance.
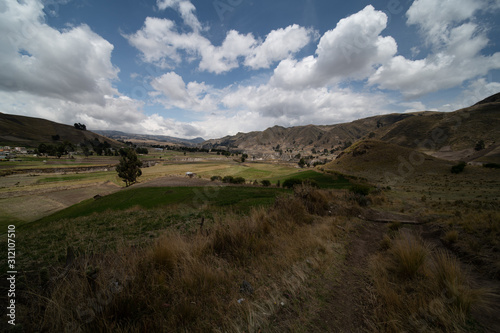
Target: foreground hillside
(309, 260)
(30, 132)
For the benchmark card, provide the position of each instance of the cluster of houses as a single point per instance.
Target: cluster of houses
(7, 152)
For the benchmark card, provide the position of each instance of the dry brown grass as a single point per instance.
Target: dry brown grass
(421, 290)
(408, 255)
(451, 236)
(191, 282)
(475, 233)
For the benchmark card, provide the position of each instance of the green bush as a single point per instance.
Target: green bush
(291, 182)
(228, 179)
(458, 167)
(265, 183)
(214, 178)
(238, 180)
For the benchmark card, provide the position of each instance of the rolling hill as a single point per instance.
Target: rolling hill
(30, 132)
(386, 162)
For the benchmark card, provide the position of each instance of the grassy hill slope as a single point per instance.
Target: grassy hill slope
(457, 130)
(386, 162)
(30, 132)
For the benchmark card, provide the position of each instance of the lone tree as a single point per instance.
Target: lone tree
(129, 167)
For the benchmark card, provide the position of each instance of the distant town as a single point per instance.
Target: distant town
(7, 152)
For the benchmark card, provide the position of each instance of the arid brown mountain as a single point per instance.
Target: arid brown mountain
(30, 132)
(469, 134)
(305, 138)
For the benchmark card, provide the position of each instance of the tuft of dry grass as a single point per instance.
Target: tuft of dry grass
(449, 276)
(451, 236)
(421, 290)
(408, 255)
(477, 234)
(386, 243)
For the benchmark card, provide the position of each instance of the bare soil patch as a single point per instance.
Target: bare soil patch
(29, 206)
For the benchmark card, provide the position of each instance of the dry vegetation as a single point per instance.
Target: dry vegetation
(193, 281)
(273, 268)
(421, 289)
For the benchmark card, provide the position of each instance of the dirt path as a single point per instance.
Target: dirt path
(350, 298)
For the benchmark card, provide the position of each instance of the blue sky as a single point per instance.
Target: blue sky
(192, 68)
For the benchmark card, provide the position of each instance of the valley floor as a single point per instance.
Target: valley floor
(420, 257)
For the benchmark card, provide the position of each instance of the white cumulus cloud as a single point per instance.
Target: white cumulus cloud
(456, 43)
(161, 43)
(185, 8)
(172, 91)
(73, 64)
(349, 51)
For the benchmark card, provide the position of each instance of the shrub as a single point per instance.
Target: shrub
(315, 201)
(291, 182)
(479, 145)
(214, 178)
(492, 165)
(265, 183)
(228, 179)
(458, 167)
(238, 180)
(361, 189)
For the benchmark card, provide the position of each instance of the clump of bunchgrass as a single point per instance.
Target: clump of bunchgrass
(421, 290)
(408, 254)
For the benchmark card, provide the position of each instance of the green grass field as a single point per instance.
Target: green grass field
(82, 176)
(323, 180)
(238, 198)
(135, 215)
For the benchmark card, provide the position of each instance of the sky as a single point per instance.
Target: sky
(211, 68)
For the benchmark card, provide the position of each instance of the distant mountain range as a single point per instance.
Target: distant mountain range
(469, 134)
(447, 135)
(150, 139)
